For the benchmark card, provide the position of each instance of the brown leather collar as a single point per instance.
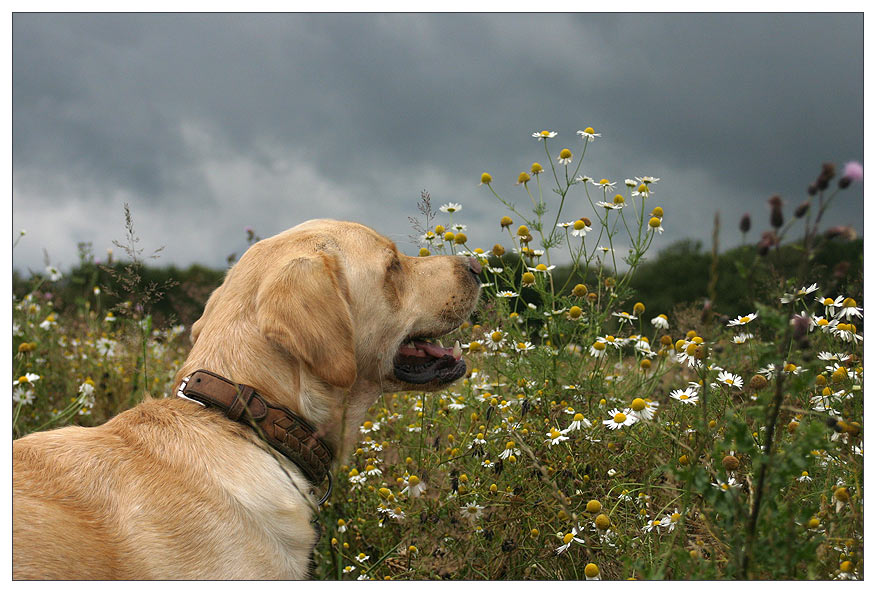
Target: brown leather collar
(285, 431)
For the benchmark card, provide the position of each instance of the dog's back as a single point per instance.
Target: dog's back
(156, 493)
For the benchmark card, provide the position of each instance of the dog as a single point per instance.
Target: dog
(317, 322)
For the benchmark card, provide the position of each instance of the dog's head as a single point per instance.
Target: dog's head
(341, 301)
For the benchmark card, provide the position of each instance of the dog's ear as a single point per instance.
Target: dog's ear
(303, 308)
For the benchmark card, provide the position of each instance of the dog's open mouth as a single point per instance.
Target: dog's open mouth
(419, 362)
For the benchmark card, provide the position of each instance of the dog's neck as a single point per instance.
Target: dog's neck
(336, 413)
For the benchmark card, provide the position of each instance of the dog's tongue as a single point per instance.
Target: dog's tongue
(423, 349)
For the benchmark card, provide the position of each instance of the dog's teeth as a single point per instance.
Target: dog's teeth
(457, 350)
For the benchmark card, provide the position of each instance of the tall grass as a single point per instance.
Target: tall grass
(593, 437)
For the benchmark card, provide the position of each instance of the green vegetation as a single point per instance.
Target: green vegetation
(694, 416)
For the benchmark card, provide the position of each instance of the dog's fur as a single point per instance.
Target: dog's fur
(312, 318)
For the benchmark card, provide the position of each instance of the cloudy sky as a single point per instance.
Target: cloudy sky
(207, 124)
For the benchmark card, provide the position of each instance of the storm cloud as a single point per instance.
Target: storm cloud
(207, 124)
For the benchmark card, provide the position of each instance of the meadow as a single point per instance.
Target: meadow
(599, 433)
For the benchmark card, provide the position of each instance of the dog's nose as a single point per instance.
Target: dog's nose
(474, 265)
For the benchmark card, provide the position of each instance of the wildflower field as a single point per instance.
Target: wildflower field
(593, 437)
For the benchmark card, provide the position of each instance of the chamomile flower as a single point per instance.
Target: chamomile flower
(54, 273)
(495, 339)
(450, 208)
(790, 297)
(845, 332)
(414, 486)
(369, 426)
(647, 179)
(610, 205)
(544, 134)
(660, 322)
(688, 395)
(670, 520)
(728, 378)
(23, 395)
(642, 190)
(742, 338)
(804, 477)
(651, 525)
(588, 134)
(510, 450)
(742, 320)
(356, 479)
(578, 422)
(830, 305)
(472, 511)
(361, 557)
(625, 317)
(555, 437)
(848, 309)
(568, 539)
(541, 269)
(620, 419)
(605, 184)
(26, 379)
(565, 157)
(730, 485)
(581, 227)
(506, 294)
(524, 347)
(644, 409)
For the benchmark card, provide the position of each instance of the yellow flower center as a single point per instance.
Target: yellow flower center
(486, 178)
(620, 418)
(575, 312)
(654, 222)
(413, 480)
(658, 212)
(23, 379)
(642, 188)
(618, 199)
(850, 302)
(545, 133)
(588, 130)
(536, 168)
(368, 425)
(541, 268)
(578, 225)
(683, 396)
(828, 301)
(638, 404)
(604, 182)
(745, 319)
(565, 153)
(567, 538)
(599, 346)
(555, 433)
(591, 570)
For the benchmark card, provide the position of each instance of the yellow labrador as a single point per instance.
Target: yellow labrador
(318, 320)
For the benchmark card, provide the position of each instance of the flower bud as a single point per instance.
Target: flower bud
(505, 222)
(486, 178)
(498, 250)
(802, 209)
(745, 223)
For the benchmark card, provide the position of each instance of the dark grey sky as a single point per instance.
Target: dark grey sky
(206, 124)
